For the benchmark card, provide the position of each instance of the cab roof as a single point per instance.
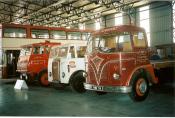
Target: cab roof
(68, 44)
(46, 43)
(120, 28)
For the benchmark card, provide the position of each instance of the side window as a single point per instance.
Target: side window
(38, 50)
(139, 39)
(47, 49)
(81, 50)
(57, 34)
(41, 50)
(72, 51)
(74, 35)
(36, 33)
(62, 52)
(14, 32)
(124, 43)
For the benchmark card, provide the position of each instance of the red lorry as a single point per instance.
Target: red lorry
(33, 61)
(118, 61)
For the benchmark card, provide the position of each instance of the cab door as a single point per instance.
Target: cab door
(140, 47)
(38, 59)
(66, 66)
(126, 60)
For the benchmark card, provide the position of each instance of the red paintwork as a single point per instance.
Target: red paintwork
(102, 66)
(34, 63)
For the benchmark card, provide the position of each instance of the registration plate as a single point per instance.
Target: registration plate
(97, 88)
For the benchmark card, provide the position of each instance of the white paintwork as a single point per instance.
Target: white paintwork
(49, 68)
(80, 65)
(64, 62)
(16, 43)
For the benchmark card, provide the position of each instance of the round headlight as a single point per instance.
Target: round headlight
(116, 76)
(85, 74)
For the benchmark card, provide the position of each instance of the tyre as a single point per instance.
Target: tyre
(140, 87)
(101, 92)
(29, 80)
(59, 86)
(43, 78)
(76, 83)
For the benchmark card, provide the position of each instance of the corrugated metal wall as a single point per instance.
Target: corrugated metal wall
(161, 23)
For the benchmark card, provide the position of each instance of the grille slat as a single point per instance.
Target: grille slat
(56, 70)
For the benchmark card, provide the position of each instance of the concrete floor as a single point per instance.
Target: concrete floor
(40, 101)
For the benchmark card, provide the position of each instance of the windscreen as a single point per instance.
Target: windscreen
(118, 42)
(58, 52)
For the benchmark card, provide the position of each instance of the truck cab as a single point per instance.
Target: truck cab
(118, 61)
(33, 61)
(66, 65)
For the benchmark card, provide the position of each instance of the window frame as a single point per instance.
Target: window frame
(117, 44)
(3, 32)
(51, 37)
(39, 30)
(145, 38)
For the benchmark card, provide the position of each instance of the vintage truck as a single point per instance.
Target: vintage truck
(118, 61)
(66, 66)
(33, 61)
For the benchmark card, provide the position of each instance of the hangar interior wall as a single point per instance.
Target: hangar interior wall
(160, 22)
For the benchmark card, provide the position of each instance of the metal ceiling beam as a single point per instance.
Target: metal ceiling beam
(35, 3)
(57, 15)
(39, 13)
(16, 5)
(92, 15)
(7, 8)
(48, 7)
(77, 8)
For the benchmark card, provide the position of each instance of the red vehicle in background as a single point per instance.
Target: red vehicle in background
(33, 61)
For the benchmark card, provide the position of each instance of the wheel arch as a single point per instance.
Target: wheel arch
(42, 71)
(42, 79)
(148, 72)
(74, 73)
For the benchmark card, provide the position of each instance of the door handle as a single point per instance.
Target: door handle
(68, 68)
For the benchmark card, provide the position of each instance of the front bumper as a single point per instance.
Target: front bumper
(120, 89)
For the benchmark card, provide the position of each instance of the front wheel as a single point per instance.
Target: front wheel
(27, 78)
(140, 87)
(44, 78)
(76, 83)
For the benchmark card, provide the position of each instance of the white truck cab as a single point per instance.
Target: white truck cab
(66, 65)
